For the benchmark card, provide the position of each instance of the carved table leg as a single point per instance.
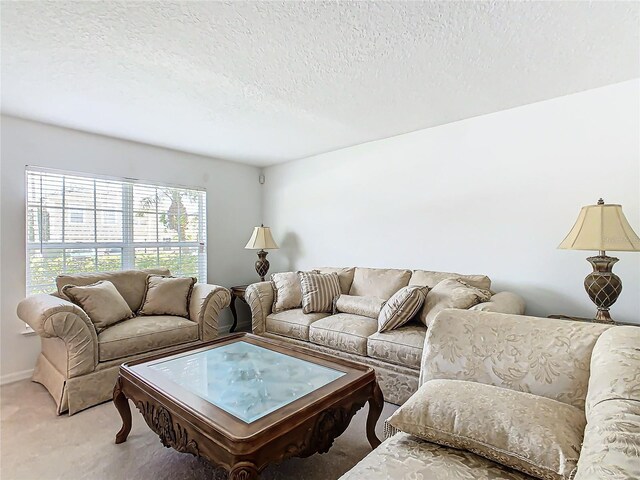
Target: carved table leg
(232, 306)
(243, 471)
(376, 402)
(122, 404)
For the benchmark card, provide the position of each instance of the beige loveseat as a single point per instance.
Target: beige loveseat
(394, 354)
(591, 366)
(79, 366)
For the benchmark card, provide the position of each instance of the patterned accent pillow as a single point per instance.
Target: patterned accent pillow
(287, 293)
(364, 306)
(318, 291)
(535, 435)
(101, 301)
(401, 307)
(167, 296)
(451, 293)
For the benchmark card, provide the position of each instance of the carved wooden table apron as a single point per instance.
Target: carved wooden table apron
(186, 421)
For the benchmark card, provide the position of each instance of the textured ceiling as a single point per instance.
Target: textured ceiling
(268, 82)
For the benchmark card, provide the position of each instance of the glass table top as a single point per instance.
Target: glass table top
(246, 380)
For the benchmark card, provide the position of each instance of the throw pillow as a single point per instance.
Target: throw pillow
(287, 293)
(535, 435)
(451, 293)
(401, 307)
(345, 276)
(318, 291)
(167, 296)
(101, 301)
(365, 306)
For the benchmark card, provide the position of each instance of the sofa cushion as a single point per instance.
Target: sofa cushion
(167, 296)
(144, 334)
(535, 435)
(365, 306)
(406, 457)
(344, 332)
(451, 293)
(130, 283)
(425, 278)
(101, 302)
(402, 346)
(378, 282)
(292, 323)
(345, 276)
(319, 291)
(287, 293)
(401, 307)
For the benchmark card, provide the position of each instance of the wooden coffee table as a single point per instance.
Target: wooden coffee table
(243, 401)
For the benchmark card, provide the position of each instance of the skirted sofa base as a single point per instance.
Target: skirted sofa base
(78, 393)
(397, 382)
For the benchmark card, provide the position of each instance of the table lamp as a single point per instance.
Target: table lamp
(260, 239)
(602, 227)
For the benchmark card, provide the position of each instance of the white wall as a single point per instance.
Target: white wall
(233, 208)
(493, 194)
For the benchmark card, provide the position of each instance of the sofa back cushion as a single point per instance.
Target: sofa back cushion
(378, 282)
(130, 283)
(542, 356)
(345, 276)
(426, 278)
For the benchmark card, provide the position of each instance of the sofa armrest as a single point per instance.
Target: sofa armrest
(503, 302)
(50, 317)
(207, 301)
(259, 297)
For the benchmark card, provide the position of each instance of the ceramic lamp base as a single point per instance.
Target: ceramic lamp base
(603, 286)
(262, 264)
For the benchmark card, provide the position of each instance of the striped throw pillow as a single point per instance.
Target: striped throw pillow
(318, 291)
(401, 308)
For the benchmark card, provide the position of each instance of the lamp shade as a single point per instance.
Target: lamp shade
(261, 239)
(602, 227)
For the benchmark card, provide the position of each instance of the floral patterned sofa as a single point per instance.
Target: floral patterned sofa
(394, 354)
(593, 367)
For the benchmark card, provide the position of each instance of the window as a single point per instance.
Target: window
(78, 223)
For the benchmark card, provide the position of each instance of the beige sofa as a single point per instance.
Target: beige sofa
(593, 367)
(79, 366)
(395, 354)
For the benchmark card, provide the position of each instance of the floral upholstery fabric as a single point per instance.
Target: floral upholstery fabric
(611, 448)
(345, 276)
(378, 282)
(259, 297)
(402, 345)
(365, 306)
(615, 367)
(292, 323)
(405, 457)
(451, 293)
(542, 356)
(502, 302)
(144, 334)
(425, 278)
(532, 434)
(343, 331)
(287, 293)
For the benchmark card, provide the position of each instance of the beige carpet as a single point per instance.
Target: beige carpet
(38, 445)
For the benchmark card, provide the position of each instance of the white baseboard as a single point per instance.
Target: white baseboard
(15, 377)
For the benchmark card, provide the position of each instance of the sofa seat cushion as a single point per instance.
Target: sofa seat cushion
(402, 346)
(144, 334)
(407, 457)
(292, 323)
(344, 332)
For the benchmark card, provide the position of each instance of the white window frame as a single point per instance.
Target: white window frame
(127, 245)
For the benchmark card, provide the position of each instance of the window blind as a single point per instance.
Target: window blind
(80, 224)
